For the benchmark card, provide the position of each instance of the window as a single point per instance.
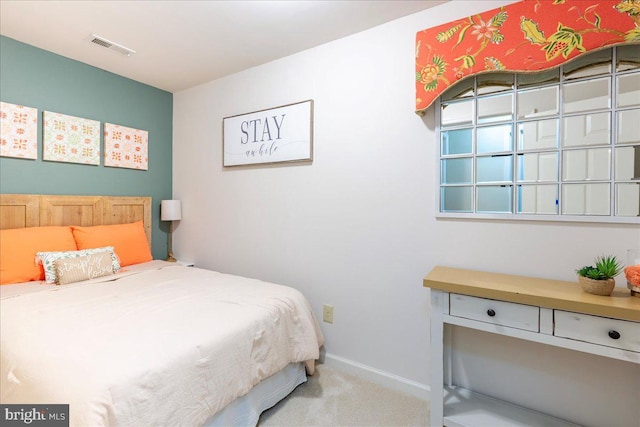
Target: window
(561, 144)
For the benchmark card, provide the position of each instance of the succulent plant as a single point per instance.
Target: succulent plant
(606, 267)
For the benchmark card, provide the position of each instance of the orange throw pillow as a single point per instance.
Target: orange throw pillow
(128, 240)
(18, 248)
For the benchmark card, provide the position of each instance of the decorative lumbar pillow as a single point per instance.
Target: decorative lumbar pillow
(49, 259)
(18, 248)
(70, 270)
(129, 241)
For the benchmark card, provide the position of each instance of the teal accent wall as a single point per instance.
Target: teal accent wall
(41, 79)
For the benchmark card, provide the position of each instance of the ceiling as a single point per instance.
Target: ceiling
(180, 44)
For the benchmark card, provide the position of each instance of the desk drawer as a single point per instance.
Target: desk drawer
(501, 313)
(616, 333)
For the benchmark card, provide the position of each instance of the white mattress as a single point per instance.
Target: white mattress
(160, 344)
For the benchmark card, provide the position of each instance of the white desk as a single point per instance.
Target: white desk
(545, 311)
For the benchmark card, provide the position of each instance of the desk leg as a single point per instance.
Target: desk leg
(437, 357)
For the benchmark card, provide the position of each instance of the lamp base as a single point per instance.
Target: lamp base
(170, 258)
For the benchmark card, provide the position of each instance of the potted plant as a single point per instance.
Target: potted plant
(599, 279)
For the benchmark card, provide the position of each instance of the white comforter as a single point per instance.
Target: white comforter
(167, 346)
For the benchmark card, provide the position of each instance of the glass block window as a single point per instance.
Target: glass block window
(558, 144)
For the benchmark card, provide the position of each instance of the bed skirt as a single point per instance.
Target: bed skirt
(246, 410)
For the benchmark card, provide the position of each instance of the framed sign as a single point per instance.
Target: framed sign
(281, 134)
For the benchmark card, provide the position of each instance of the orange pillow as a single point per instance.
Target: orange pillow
(18, 248)
(128, 240)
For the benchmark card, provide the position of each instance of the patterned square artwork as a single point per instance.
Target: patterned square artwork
(125, 147)
(71, 139)
(18, 131)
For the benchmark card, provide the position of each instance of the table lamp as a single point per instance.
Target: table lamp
(170, 210)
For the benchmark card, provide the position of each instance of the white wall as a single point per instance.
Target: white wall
(355, 229)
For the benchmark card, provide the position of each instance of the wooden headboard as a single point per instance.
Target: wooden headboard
(33, 210)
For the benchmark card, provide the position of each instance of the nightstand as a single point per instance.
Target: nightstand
(185, 263)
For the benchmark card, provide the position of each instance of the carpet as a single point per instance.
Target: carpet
(334, 398)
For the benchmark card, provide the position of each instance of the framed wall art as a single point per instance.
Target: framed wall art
(18, 131)
(280, 134)
(126, 147)
(70, 139)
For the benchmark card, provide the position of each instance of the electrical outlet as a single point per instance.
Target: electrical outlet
(327, 313)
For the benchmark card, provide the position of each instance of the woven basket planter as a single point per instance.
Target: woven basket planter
(597, 287)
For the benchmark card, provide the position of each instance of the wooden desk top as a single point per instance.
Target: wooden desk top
(556, 294)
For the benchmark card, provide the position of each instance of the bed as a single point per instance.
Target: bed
(156, 343)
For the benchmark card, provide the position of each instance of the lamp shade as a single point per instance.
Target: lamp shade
(170, 210)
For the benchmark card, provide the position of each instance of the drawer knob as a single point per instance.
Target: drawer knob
(491, 312)
(614, 335)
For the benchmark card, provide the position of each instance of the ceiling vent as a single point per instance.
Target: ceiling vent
(101, 41)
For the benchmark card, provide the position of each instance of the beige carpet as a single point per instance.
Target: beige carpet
(333, 398)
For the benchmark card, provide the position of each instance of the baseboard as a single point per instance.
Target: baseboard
(378, 376)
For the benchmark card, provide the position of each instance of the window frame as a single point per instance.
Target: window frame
(560, 149)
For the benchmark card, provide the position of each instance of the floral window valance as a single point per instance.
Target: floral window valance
(529, 36)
